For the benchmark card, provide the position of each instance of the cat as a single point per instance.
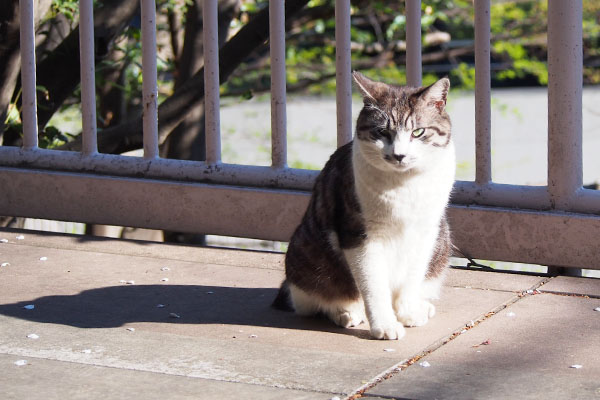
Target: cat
(374, 242)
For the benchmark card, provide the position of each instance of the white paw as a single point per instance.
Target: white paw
(415, 313)
(388, 331)
(347, 319)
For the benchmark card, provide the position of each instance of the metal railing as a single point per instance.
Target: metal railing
(556, 225)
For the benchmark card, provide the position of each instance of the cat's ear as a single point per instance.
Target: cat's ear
(435, 95)
(366, 86)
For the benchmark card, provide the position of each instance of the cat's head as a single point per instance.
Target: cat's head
(402, 128)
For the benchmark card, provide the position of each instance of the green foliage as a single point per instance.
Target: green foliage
(304, 165)
(68, 8)
(173, 5)
(518, 53)
(464, 75)
(53, 137)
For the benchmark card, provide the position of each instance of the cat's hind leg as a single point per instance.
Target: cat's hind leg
(304, 303)
(343, 313)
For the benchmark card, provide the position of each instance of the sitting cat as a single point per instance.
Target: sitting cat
(374, 237)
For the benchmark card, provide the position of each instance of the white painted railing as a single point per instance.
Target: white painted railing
(557, 225)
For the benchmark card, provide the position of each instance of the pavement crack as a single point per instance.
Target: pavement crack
(402, 365)
(570, 294)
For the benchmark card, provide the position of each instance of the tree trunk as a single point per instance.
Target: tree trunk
(10, 51)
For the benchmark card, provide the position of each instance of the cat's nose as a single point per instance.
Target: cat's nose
(398, 157)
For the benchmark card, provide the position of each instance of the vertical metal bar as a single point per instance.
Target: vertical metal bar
(343, 75)
(150, 86)
(278, 81)
(413, 43)
(565, 79)
(211, 81)
(27, 35)
(88, 81)
(483, 113)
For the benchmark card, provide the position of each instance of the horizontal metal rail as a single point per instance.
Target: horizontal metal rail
(496, 233)
(465, 192)
(159, 168)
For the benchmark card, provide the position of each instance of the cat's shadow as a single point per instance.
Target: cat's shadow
(116, 306)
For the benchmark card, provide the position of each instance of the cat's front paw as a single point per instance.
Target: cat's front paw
(390, 331)
(415, 313)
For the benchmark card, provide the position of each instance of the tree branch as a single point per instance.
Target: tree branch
(59, 71)
(128, 136)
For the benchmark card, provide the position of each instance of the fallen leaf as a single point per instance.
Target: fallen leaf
(484, 343)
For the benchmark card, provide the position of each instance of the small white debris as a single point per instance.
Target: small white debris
(43, 258)
(3, 240)
(463, 331)
(5, 265)
(130, 282)
(160, 306)
(29, 307)
(425, 364)
(510, 314)
(86, 351)
(597, 309)
(389, 350)
(20, 237)
(210, 292)
(20, 363)
(165, 269)
(173, 315)
(131, 329)
(253, 336)
(576, 366)
(122, 281)
(164, 280)
(33, 336)
(468, 287)
(471, 324)
(335, 398)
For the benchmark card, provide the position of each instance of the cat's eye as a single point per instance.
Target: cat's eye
(418, 132)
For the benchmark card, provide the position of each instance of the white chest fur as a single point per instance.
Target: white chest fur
(402, 212)
(401, 200)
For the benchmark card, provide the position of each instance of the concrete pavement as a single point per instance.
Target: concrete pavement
(196, 323)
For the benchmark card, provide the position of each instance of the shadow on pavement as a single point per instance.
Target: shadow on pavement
(194, 304)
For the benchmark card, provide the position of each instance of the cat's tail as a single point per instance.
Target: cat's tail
(283, 301)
